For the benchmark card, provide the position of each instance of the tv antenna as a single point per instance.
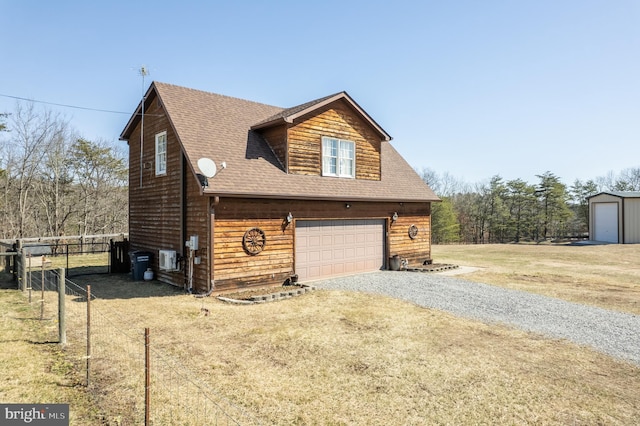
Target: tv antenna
(143, 72)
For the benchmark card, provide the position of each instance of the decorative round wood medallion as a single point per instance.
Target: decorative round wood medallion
(253, 241)
(413, 232)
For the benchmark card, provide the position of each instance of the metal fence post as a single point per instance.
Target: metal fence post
(23, 271)
(62, 330)
(29, 279)
(88, 332)
(147, 378)
(42, 292)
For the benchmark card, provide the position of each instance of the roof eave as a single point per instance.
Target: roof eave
(135, 117)
(619, 194)
(279, 120)
(315, 197)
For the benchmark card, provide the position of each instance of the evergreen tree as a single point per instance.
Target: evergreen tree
(580, 192)
(554, 211)
(444, 223)
(522, 209)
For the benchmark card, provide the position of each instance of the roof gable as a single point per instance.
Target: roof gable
(619, 194)
(289, 115)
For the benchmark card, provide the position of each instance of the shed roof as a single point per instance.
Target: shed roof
(226, 129)
(620, 194)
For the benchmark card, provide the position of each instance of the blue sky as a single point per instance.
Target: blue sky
(472, 88)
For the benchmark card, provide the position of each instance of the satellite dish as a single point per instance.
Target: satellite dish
(207, 167)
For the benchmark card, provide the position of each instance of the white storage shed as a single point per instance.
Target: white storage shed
(614, 217)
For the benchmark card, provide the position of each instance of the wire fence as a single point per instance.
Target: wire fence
(79, 255)
(131, 381)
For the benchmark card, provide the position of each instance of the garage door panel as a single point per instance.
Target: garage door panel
(326, 270)
(338, 247)
(327, 255)
(314, 271)
(606, 222)
(349, 267)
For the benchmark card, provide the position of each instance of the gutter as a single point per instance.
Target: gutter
(310, 197)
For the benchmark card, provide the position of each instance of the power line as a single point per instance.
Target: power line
(64, 105)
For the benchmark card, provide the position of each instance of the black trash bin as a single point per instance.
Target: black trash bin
(140, 261)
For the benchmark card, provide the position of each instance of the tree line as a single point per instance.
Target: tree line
(54, 182)
(500, 211)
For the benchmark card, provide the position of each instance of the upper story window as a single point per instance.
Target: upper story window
(161, 153)
(338, 157)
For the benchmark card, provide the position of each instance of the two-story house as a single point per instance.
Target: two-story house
(312, 191)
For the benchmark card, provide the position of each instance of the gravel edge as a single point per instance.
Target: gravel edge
(614, 333)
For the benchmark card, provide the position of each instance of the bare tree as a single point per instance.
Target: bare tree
(51, 181)
(32, 135)
(445, 184)
(629, 180)
(7, 216)
(53, 187)
(101, 176)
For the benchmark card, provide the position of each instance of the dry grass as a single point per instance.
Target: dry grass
(33, 369)
(351, 358)
(607, 276)
(343, 358)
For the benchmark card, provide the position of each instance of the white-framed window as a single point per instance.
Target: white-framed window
(338, 157)
(161, 153)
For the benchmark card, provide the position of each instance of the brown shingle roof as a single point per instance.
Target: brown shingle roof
(219, 127)
(285, 113)
(290, 114)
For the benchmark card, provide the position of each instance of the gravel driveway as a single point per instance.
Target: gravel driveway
(614, 333)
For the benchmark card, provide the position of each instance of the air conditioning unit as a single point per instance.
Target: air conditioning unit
(168, 260)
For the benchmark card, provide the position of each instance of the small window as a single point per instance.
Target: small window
(338, 157)
(161, 153)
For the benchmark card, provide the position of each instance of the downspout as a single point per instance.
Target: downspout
(622, 224)
(183, 210)
(211, 282)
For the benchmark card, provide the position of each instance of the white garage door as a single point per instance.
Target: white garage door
(606, 222)
(330, 248)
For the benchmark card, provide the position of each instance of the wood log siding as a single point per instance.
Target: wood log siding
(197, 222)
(234, 268)
(417, 250)
(276, 137)
(336, 120)
(155, 215)
(154, 207)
